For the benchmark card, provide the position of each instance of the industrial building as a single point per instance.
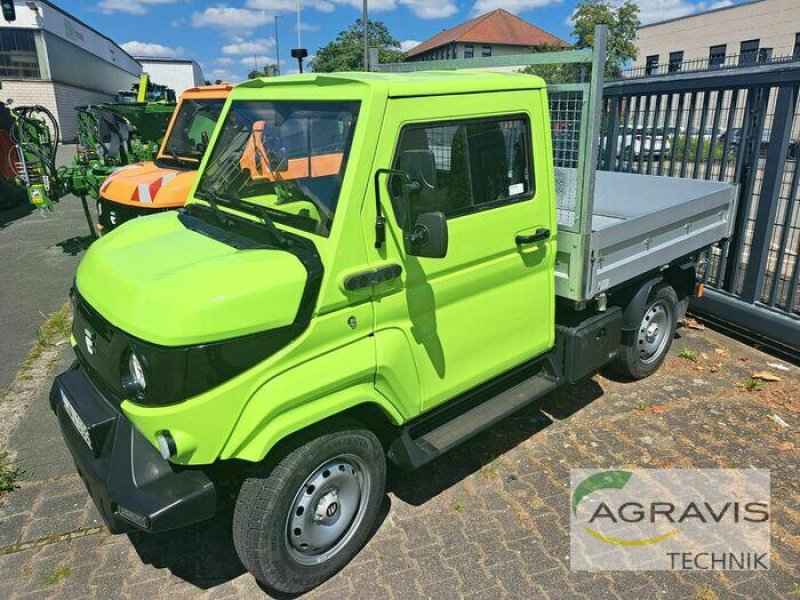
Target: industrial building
(178, 74)
(50, 58)
(759, 31)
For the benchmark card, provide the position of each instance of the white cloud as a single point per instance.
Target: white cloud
(248, 47)
(427, 9)
(374, 6)
(424, 9)
(227, 17)
(290, 6)
(407, 45)
(137, 48)
(132, 7)
(224, 60)
(515, 6)
(308, 27)
(260, 60)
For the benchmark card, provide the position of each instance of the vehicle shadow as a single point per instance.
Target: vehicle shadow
(9, 215)
(77, 244)
(418, 487)
(204, 554)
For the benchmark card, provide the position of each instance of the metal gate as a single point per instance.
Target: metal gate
(739, 125)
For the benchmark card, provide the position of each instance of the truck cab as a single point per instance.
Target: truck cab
(366, 268)
(143, 188)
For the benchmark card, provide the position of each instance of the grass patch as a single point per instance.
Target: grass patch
(688, 354)
(9, 474)
(56, 576)
(752, 385)
(458, 506)
(55, 327)
(707, 593)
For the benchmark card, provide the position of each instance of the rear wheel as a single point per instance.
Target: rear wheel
(298, 525)
(653, 337)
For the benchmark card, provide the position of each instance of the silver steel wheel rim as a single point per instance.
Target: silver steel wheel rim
(328, 509)
(654, 331)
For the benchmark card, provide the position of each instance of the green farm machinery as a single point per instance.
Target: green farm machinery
(110, 136)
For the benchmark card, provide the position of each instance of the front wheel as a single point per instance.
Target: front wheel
(653, 337)
(300, 524)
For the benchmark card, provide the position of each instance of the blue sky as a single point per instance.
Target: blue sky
(227, 38)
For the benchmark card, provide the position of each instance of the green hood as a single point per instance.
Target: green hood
(164, 284)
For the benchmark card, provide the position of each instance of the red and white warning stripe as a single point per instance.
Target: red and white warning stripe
(109, 179)
(145, 193)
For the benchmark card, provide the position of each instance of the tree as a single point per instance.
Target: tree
(346, 52)
(557, 73)
(622, 20)
(268, 71)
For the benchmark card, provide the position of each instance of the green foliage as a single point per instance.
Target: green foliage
(9, 474)
(688, 354)
(56, 576)
(703, 146)
(622, 20)
(553, 74)
(346, 52)
(268, 71)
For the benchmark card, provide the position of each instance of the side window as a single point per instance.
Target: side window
(478, 165)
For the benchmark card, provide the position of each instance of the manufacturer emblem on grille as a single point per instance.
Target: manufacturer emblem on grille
(88, 336)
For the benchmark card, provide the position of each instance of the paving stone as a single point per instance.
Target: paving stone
(510, 536)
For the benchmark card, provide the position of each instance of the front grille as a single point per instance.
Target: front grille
(102, 363)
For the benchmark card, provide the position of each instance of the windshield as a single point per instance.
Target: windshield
(287, 157)
(193, 127)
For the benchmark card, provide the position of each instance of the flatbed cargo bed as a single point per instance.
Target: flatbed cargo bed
(639, 223)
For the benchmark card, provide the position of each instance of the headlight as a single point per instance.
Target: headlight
(133, 378)
(99, 209)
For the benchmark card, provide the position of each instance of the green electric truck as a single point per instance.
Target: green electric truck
(370, 266)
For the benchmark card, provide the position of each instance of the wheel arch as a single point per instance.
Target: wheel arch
(360, 404)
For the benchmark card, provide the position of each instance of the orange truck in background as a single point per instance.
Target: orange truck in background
(144, 188)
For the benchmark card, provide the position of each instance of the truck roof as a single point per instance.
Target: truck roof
(417, 83)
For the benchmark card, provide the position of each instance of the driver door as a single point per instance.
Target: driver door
(488, 305)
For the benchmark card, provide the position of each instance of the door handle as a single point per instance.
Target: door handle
(540, 235)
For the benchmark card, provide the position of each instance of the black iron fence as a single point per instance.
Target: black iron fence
(722, 62)
(740, 126)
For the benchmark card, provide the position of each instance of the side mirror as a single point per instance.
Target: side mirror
(427, 237)
(420, 166)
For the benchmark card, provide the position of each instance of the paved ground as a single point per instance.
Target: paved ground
(38, 256)
(489, 520)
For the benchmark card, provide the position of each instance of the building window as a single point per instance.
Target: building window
(765, 55)
(469, 51)
(675, 61)
(716, 56)
(481, 164)
(796, 53)
(651, 66)
(748, 52)
(18, 57)
(486, 51)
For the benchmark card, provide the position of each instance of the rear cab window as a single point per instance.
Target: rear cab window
(480, 164)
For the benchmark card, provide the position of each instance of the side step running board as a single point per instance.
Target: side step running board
(433, 434)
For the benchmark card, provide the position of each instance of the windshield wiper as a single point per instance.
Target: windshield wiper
(262, 212)
(213, 200)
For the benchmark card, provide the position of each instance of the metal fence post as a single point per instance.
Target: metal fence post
(777, 150)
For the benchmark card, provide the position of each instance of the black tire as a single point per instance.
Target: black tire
(633, 361)
(269, 504)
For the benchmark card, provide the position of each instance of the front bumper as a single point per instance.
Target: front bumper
(133, 487)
